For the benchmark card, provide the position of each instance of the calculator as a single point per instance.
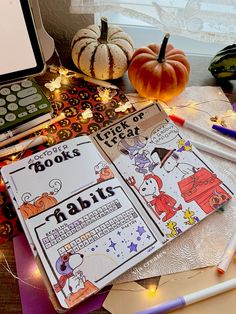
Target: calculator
(21, 102)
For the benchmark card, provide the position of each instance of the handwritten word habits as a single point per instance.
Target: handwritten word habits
(75, 205)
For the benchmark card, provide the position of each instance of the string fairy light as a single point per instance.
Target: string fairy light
(54, 84)
(4, 264)
(106, 94)
(123, 107)
(87, 114)
(14, 157)
(61, 79)
(152, 290)
(35, 272)
(223, 119)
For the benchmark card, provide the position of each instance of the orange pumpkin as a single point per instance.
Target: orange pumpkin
(159, 72)
(28, 210)
(44, 202)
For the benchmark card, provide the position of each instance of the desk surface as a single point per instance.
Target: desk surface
(9, 292)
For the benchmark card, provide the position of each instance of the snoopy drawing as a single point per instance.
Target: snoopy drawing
(134, 148)
(103, 170)
(72, 278)
(169, 160)
(162, 203)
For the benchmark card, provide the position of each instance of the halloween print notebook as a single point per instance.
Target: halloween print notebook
(92, 207)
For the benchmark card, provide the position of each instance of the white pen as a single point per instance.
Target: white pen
(228, 255)
(39, 127)
(96, 81)
(214, 151)
(24, 127)
(34, 141)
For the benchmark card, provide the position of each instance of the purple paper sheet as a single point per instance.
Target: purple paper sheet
(34, 296)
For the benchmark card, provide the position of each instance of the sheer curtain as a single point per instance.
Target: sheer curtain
(211, 21)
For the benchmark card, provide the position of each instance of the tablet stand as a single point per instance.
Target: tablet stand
(46, 41)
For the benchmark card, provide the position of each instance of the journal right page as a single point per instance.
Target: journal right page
(168, 176)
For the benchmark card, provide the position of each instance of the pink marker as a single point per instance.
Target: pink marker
(203, 131)
(228, 255)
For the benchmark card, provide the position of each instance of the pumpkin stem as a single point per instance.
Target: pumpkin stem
(161, 56)
(104, 31)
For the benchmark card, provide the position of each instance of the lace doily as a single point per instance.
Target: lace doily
(205, 20)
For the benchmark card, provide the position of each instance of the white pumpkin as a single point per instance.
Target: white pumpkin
(102, 52)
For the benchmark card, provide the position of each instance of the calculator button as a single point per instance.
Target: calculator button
(15, 87)
(3, 111)
(30, 107)
(27, 92)
(2, 102)
(5, 91)
(33, 110)
(29, 100)
(2, 121)
(26, 84)
(12, 106)
(11, 98)
(22, 114)
(10, 117)
(43, 106)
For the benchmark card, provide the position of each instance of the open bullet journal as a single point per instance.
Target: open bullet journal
(94, 206)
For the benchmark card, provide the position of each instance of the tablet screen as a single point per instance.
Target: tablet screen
(20, 54)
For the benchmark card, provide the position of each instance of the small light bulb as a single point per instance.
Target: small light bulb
(13, 157)
(152, 290)
(35, 272)
(87, 114)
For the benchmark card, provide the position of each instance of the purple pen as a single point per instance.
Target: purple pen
(165, 307)
(191, 298)
(224, 130)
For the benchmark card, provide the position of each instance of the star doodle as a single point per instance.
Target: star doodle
(113, 245)
(132, 247)
(140, 230)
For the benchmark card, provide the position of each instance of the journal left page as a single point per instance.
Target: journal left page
(84, 226)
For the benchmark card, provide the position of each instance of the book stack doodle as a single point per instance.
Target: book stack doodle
(94, 206)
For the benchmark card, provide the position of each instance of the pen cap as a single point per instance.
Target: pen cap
(224, 130)
(177, 119)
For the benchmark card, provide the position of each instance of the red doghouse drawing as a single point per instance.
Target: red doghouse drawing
(203, 187)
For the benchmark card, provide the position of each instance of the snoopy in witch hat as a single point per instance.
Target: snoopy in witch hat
(168, 159)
